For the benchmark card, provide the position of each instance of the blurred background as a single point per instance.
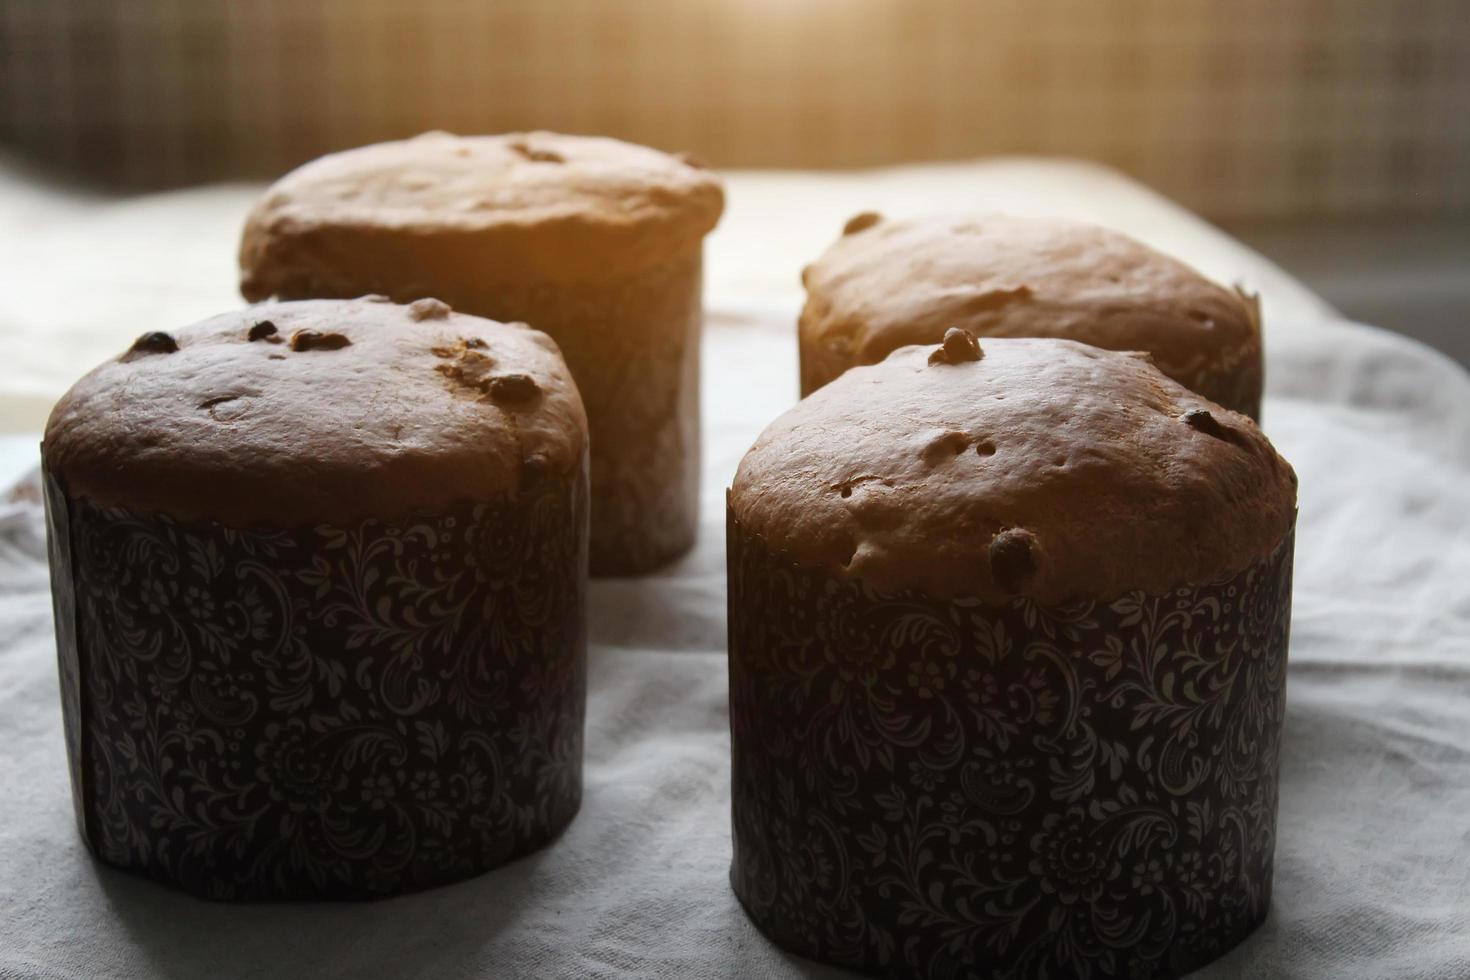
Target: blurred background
(1333, 135)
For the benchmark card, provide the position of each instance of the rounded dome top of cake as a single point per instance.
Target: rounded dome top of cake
(887, 283)
(333, 411)
(1035, 467)
(514, 206)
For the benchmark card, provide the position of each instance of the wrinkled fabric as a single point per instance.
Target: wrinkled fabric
(1373, 856)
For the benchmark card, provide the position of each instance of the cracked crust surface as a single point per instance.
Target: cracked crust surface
(1045, 468)
(516, 207)
(294, 413)
(887, 283)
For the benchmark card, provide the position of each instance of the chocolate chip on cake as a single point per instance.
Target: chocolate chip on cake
(429, 309)
(513, 389)
(861, 222)
(154, 342)
(303, 340)
(1013, 558)
(533, 469)
(1201, 420)
(264, 330)
(959, 346)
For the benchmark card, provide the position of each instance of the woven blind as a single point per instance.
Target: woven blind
(1245, 108)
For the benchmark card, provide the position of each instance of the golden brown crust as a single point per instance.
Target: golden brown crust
(1045, 468)
(509, 208)
(286, 414)
(887, 283)
(594, 241)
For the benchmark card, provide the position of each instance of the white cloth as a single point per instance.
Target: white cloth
(1373, 857)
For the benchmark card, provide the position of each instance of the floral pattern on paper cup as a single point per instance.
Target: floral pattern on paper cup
(324, 712)
(958, 789)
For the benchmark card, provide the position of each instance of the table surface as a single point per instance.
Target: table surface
(1373, 852)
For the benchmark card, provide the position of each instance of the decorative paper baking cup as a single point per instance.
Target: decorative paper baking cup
(324, 712)
(948, 789)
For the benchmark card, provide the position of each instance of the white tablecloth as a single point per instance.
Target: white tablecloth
(1373, 857)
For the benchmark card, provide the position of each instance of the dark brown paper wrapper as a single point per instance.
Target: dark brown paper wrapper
(929, 788)
(337, 712)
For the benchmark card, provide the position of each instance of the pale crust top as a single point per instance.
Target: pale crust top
(511, 208)
(887, 283)
(1044, 468)
(286, 414)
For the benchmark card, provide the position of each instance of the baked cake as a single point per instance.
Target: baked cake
(887, 283)
(1008, 628)
(595, 241)
(319, 572)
